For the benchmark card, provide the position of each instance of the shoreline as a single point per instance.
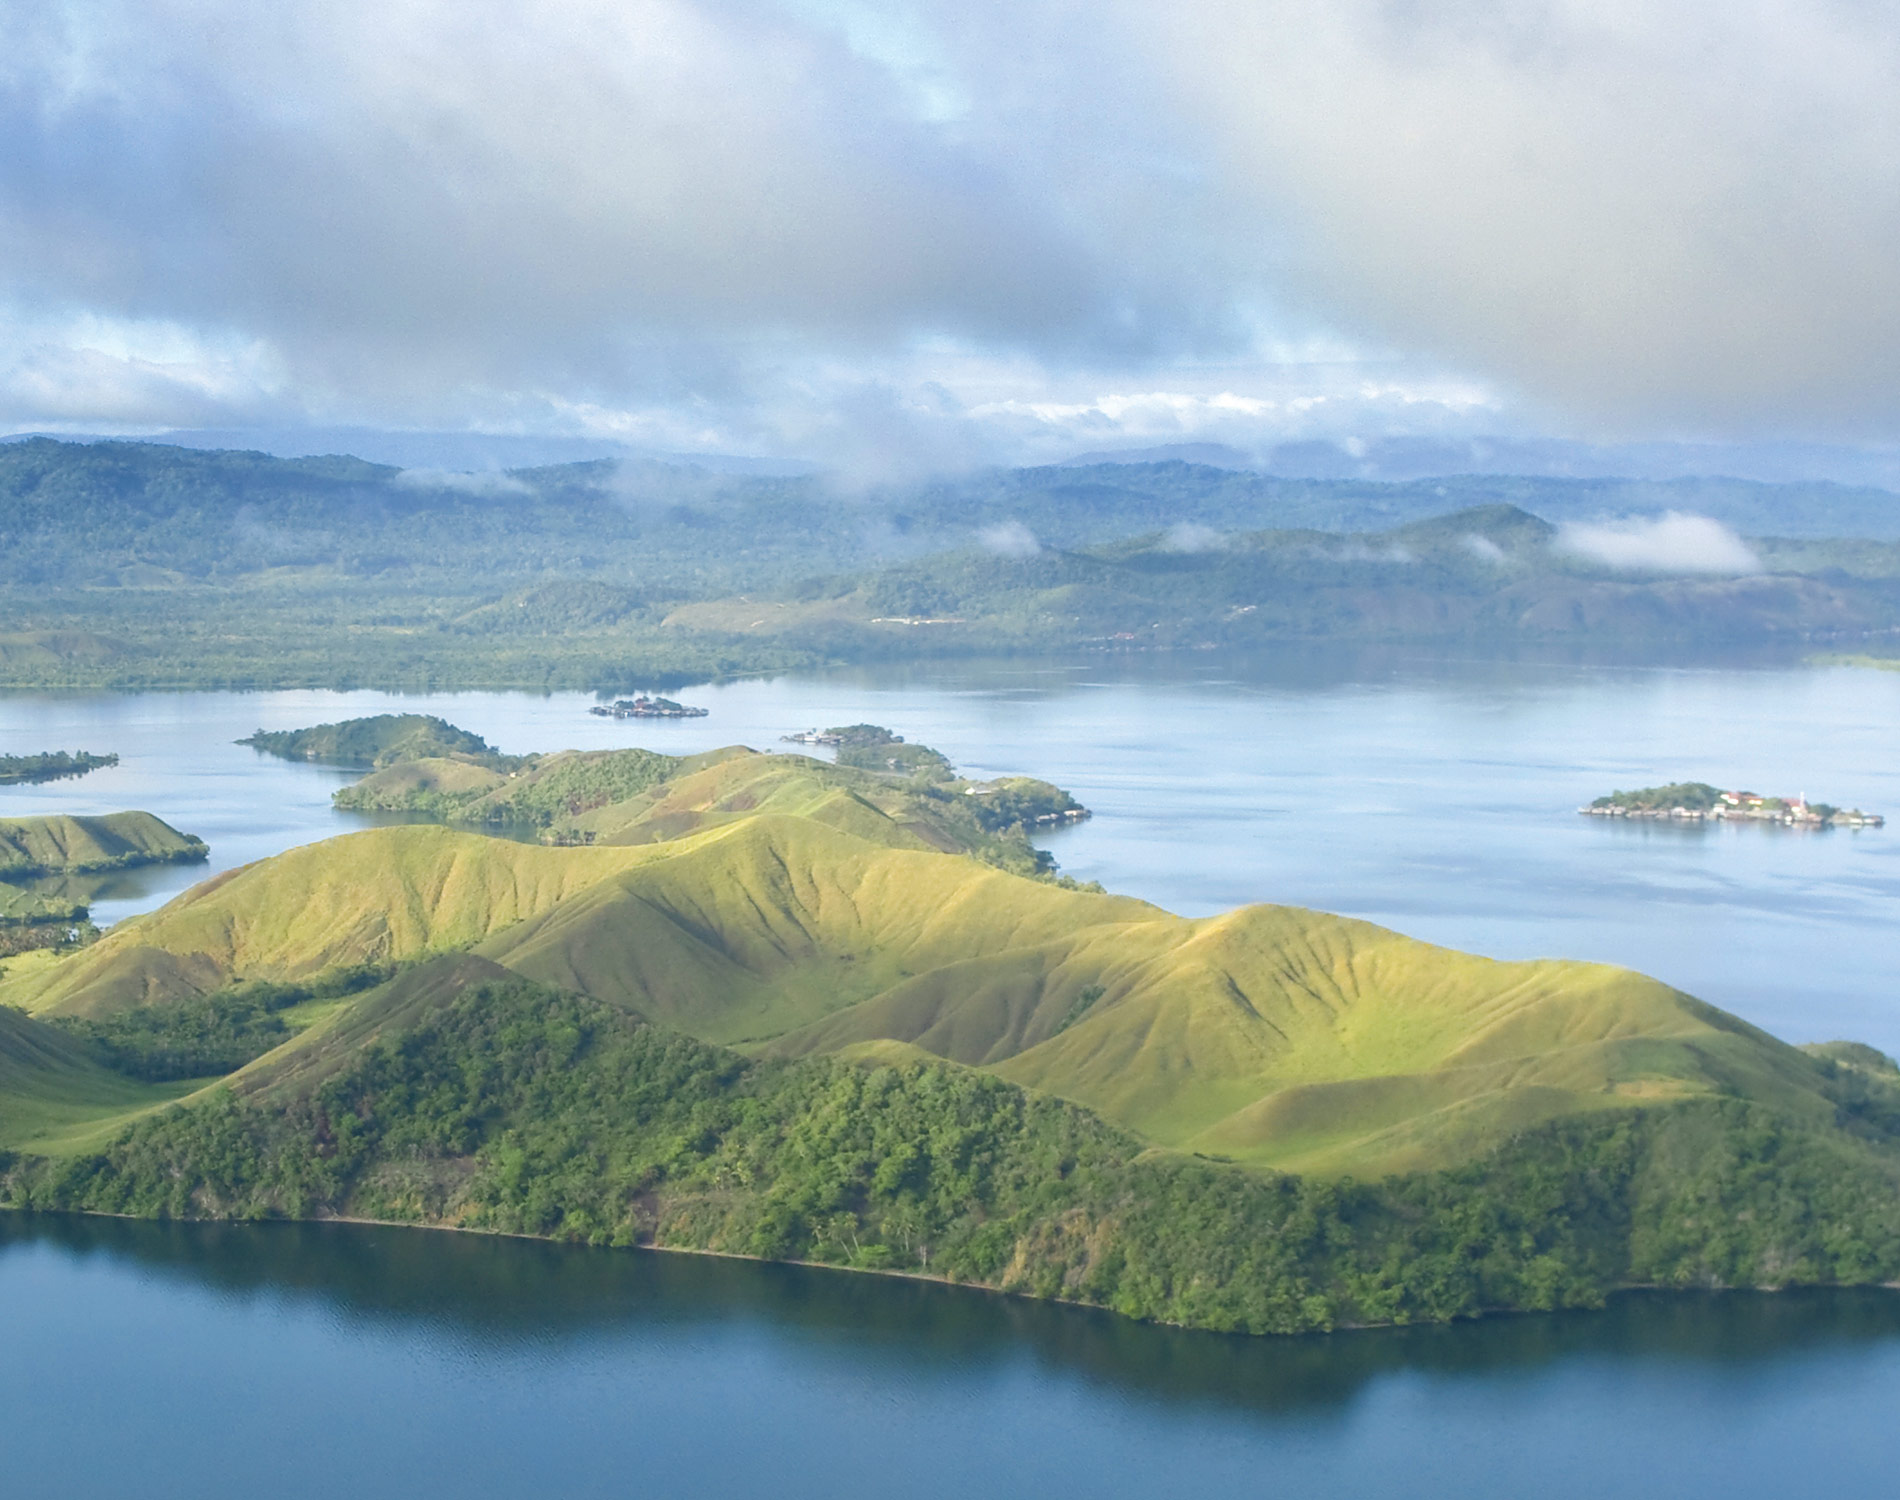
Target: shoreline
(926, 1279)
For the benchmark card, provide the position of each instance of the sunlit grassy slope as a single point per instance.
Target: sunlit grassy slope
(79, 845)
(813, 921)
(54, 1098)
(636, 797)
(384, 893)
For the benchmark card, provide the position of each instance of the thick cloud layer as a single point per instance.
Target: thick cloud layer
(1651, 215)
(918, 236)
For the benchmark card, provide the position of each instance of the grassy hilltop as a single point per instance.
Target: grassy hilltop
(61, 844)
(778, 1008)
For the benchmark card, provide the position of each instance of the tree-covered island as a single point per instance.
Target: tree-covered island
(1698, 801)
(51, 765)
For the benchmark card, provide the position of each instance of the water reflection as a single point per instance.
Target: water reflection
(494, 1296)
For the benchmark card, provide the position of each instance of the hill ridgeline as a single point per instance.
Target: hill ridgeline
(785, 1008)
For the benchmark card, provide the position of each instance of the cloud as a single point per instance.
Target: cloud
(492, 192)
(1483, 548)
(1009, 539)
(915, 238)
(1191, 536)
(1669, 543)
(1650, 217)
(75, 369)
(490, 485)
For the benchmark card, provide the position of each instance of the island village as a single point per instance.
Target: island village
(1697, 802)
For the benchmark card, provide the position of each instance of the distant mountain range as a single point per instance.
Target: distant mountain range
(1383, 459)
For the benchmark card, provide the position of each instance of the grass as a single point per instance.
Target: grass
(1274, 1036)
(55, 1100)
(86, 845)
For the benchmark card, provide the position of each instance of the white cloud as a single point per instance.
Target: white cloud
(1669, 543)
(83, 370)
(1655, 217)
(1009, 539)
(1483, 548)
(489, 485)
(1191, 536)
(909, 238)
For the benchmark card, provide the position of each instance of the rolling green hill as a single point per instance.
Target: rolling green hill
(637, 796)
(776, 1007)
(374, 742)
(531, 791)
(88, 845)
(1272, 1035)
(55, 1097)
(457, 1094)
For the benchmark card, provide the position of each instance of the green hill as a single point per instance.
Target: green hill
(388, 893)
(772, 1009)
(89, 845)
(637, 796)
(1271, 1035)
(55, 1097)
(535, 791)
(374, 742)
(459, 1095)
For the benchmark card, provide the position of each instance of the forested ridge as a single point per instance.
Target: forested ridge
(143, 565)
(511, 1108)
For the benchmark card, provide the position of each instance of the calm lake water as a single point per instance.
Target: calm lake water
(1436, 796)
(326, 1360)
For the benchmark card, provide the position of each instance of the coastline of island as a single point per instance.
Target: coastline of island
(1699, 802)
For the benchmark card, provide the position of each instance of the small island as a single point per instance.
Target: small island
(373, 742)
(51, 765)
(644, 707)
(1697, 802)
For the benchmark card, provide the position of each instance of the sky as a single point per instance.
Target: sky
(912, 237)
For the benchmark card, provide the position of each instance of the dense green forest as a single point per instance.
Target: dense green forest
(51, 765)
(511, 1108)
(374, 742)
(132, 564)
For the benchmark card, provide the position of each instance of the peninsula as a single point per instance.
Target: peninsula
(51, 869)
(795, 1010)
(62, 845)
(1698, 801)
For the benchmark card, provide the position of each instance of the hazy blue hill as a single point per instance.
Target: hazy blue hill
(144, 565)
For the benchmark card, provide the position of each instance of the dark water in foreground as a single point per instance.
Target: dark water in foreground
(338, 1360)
